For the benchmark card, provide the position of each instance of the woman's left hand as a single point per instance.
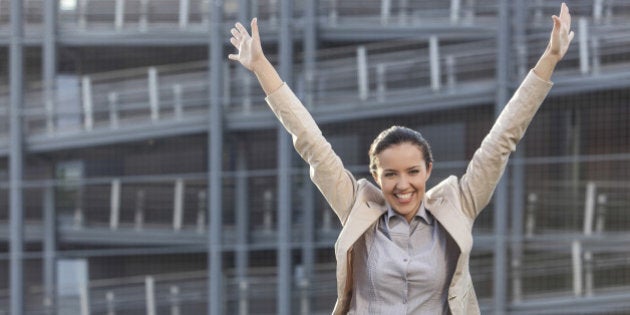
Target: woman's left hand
(250, 52)
(561, 35)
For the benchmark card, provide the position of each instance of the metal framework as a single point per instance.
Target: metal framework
(322, 82)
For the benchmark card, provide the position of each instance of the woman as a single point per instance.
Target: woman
(401, 250)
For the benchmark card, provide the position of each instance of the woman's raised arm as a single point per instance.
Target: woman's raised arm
(251, 56)
(559, 41)
(327, 171)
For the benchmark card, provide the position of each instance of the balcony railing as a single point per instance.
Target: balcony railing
(372, 74)
(192, 15)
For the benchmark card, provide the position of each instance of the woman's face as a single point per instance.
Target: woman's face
(402, 174)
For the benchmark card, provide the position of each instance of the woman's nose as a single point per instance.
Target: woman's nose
(403, 182)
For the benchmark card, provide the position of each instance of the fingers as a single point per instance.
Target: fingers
(254, 26)
(565, 16)
(242, 29)
(564, 9)
(235, 42)
(556, 21)
(235, 33)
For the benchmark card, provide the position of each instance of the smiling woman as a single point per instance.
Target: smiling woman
(402, 172)
(404, 249)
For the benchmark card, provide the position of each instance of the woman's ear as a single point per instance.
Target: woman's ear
(375, 176)
(429, 169)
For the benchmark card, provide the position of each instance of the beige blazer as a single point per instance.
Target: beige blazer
(454, 202)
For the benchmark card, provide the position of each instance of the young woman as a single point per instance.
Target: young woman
(403, 249)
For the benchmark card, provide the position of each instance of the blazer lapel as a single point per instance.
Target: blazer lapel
(452, 223)
(359, 220)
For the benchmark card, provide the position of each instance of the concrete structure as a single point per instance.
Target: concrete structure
(141, 173)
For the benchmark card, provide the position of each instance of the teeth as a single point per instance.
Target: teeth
(403, 196)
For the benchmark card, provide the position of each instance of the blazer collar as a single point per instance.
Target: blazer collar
(359, 220)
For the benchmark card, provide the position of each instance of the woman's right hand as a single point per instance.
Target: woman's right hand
(250, 52)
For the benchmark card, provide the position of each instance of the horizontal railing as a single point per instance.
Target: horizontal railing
(541, 278)
(374, 73)
(161, 205)
(569, 211)
(145, 15)
(179, 291)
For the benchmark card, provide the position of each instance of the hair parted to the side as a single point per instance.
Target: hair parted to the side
(396, 135)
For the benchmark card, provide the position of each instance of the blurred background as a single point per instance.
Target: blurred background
(141, 172)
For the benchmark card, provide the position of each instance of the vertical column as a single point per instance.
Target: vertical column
(177, 101)
(16, 159)
(201, 211)
(242, 227)
(589, 208)
(381, 81)
(362, 73)
(49, 66)
(386, 6)
(154, 95)
(246, 81)
(597, 11)
(501, 192)
(119, 14)
(602, 208)
(149, 285)
(204, 8)
(576, 259)
(333, 15)
(215, 144)
(175, 300)
(284, 167)
(530, 220)
(520, 36)
(112, 98)
(144, 12)
(49, 72)
(273, 11)
(114, 216)
(310, 48)
(308, 248)
(455, 11)
(267, 211)
(111, 303)
(178, 204)
(184, 8)
(50, 248)
(82, 12)
(84, 297)
(583, 41)
(227, 84)
(518, 170)
(434, 59)
(86, 88)
(589, 218)
(451, 75)
(139, 211)
(78, 206)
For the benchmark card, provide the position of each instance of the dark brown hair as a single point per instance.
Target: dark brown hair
(396, 135)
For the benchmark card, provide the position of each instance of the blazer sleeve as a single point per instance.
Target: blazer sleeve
(488, 163)
(326, 168)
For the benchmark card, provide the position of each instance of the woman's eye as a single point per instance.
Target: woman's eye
(414, 171)
(389, 174)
